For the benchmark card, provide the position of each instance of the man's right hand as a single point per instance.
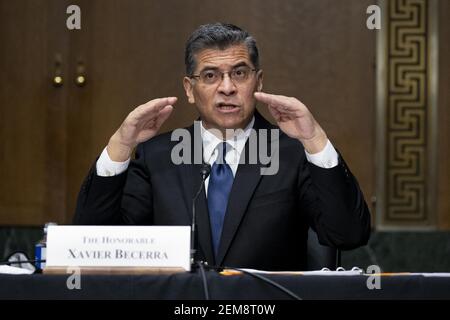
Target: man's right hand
(140, 125)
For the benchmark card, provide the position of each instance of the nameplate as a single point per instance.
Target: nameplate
(156, 247)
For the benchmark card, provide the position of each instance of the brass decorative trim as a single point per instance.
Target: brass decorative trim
(406, 114)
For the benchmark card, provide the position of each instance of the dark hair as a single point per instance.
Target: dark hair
(220, 36)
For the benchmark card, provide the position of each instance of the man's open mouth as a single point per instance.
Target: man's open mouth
(227, 107)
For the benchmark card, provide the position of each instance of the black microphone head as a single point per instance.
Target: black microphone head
(205, 170)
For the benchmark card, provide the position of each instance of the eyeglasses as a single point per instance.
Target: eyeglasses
(238, 75)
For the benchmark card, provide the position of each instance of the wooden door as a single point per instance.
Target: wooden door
(33, 139)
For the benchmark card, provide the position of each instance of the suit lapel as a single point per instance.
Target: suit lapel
(244, 185)
(189, 175)
(245, 182)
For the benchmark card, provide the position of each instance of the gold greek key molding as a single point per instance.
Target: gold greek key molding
(406, 122)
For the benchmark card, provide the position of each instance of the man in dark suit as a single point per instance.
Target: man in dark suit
(245, 218)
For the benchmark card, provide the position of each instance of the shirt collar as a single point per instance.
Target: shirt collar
(237, 141)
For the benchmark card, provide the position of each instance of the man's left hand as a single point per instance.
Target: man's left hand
(295, 120)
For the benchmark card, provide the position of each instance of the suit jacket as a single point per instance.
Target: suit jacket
(267, 216)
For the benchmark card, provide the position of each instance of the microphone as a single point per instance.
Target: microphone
(204, 172)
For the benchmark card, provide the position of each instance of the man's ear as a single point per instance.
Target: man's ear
(189, 89)
(259, 80)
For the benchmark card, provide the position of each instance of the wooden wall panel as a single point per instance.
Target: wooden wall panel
(32, 112)
(443, 166)
(318, 51)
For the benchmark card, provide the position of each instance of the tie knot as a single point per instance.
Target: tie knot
(222, 151)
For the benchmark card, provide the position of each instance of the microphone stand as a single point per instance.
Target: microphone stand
(204, 172)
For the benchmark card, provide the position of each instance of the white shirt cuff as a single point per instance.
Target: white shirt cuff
(108, 168)
(327, 158)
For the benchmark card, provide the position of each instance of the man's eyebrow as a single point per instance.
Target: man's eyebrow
(209, 68)
(237, 65)
(240, 64)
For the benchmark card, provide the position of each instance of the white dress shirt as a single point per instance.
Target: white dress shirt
(327, 158)
(235, 146)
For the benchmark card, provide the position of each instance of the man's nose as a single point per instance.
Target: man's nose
(227, 86)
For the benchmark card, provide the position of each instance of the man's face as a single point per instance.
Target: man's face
(226, 104)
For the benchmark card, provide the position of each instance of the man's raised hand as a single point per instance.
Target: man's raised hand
(140, 125)
(294, 119)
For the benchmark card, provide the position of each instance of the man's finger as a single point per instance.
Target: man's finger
(274, 112)
(152, 108)
(272, 99)
(157, 104)
(163, 115)
(161, 102)
(282, 103)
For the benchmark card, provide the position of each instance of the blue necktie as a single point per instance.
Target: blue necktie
(219, 187)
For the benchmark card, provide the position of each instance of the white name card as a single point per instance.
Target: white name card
(119, 246)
